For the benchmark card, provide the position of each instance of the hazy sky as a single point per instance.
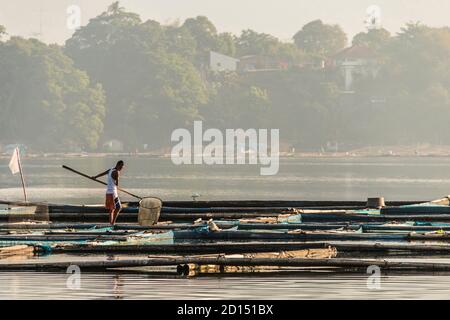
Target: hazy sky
(282, 18)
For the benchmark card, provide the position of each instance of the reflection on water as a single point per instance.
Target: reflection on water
(165, 283)
(35, 285)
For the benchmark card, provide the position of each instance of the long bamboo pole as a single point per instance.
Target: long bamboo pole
(283, 262)
(196, 248)
(249, 247)
(99, 181)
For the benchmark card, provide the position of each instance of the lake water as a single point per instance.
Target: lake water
(33, 285)
(305, 178)
(299, 179)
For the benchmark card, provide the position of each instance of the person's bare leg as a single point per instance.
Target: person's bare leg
(116, 215)
(111, 217)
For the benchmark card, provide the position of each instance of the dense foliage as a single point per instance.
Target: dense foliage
(45, 101)
(119, 77)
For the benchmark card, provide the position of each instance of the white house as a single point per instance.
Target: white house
(219, 62)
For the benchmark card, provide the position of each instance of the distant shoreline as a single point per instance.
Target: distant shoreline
(362, 153)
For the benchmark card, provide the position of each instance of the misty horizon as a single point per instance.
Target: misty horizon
(46, 19)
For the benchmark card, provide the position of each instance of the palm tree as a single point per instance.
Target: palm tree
(115, 8)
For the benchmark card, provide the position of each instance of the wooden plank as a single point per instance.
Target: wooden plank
(16, 250)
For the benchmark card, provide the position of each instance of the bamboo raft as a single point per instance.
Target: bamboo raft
(251, 247)
(262, 234)
(339, 213)
(309, 263)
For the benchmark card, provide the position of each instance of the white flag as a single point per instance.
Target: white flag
(14, 163)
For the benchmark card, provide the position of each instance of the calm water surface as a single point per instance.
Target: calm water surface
(307, 178)
(33, 285)
(167, 284)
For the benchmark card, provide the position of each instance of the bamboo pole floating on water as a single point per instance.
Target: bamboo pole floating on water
(279, 203)
(222, 225)
(188, 248)
(74, 226)
(311, 264)
(317, 236)
(131, 217)
(222, 206)
(317, 218)
(306, 218)
(49, 226)
(70, 217)
(67, 237)
(386, 247)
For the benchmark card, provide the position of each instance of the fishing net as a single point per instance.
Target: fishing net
(149, 210)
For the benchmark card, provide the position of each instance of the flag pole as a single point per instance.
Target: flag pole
(21, 175)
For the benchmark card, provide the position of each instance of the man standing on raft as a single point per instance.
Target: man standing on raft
(112, 202)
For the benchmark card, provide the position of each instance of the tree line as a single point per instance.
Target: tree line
(120, 77)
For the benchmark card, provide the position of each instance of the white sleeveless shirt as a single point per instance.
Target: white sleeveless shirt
(111, 187)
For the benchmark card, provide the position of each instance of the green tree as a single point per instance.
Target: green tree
(207, 39)
(306, 103)
(146, 73)
(170, 99)
(320, 40)
(375, 38)
(301, 104)
(45, 101)
(253, 43)
(418, 56)
(236, 104)
(226, 44)
(180, 41)
(413, 84)
(2, 31)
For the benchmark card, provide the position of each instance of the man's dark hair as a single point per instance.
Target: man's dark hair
(119, 163)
